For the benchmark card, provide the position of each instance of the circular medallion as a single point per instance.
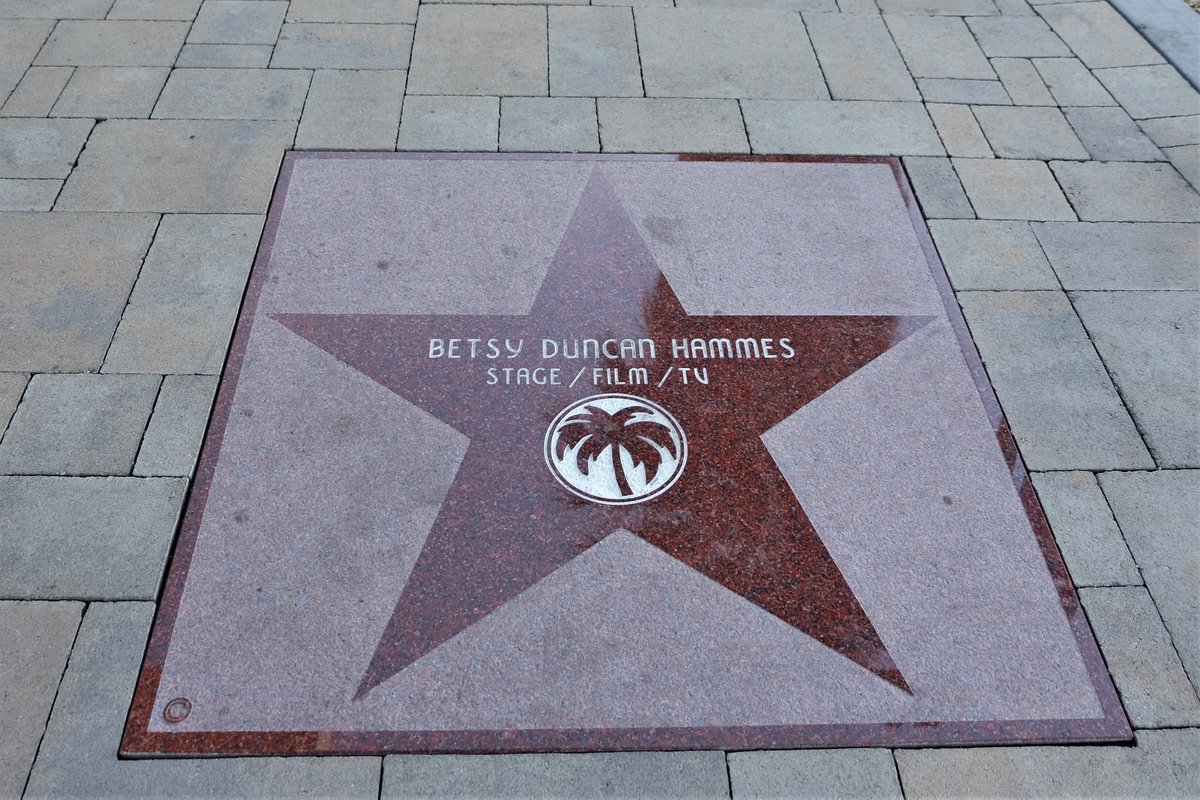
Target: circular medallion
(177, 710)
(615, 449)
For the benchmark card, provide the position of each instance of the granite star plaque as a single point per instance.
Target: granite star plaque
(519, 453)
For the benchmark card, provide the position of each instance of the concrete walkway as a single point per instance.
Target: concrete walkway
(1054, 151)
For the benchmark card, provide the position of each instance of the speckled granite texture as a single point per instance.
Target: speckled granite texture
(376, 556)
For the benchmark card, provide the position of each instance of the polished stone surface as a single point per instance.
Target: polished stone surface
(526, 453)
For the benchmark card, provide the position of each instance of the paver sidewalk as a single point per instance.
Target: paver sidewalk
(1055, 152)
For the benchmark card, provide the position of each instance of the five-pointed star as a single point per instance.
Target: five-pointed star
(506, 523)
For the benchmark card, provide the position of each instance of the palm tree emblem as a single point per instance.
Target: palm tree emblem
(615, 449)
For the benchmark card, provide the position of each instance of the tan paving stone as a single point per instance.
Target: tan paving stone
(176, 428)
(641, 125)
(858, 58)
(1084, 528)
(1139, 655)
(1127, 192)
(37, 91)
(449, 123)
(1030, 133)
(1157, 512)
(238, 22)
(35, 640)
(222, 167)
(593, 53)
(66, 279)
(1099, 35)
(352, 109)
(1016, 37)
(111, 92)
(86, 538)
(1156, 91)
(233, 94)
(1122, 255)
(1056, 393)
(1071, 83)
(113, 43)
(17, 194)
(78, 756)
(939, 47)
(304, 45)
(78, 425)
(1110, 135)
(1012, 189)
(181, 312)
(992, 254)
(41, 148)
(773, 774)
(860, 127)
(953, 90)
(1022, 82)
(242, 56)
(715, 53)
(480, 50)
(549, 124)
(1163, 765)
(960, 131)
(182, 10)
(366, 11)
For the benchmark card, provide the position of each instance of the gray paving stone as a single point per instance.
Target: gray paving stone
(724, 52)
(35, 640)
(20, 40)
(937, 188)
(641, 125)
(1171, 27)
(1122, 255)
(1014, 7)
(37, 91)
(183, 307)
(956, 7)
(1063, 409)
(593, 53)
(1157, 513)
(1099, 35)
(113, 43)
(486, 50)
(41, 148)
(1022, 82)
(857, 6)
(1150, 342)
(1087, 535)
(183, 10)
(1016, 36)
(78, 756)
(953, 90)
(1186, 159)
(17, 194)
(549, 124)
(336, 46)
(1110, 135)
(176, 428)
(1027, 132)
(104, 92)
(221, 167)
(1139, 655)
(1009, 189)
(86, 538)
(66, 279)
(233, 94)
(238, 22)
(1071, 83)
(78, 425)
(819, 6)
(365, 11)
(238, 56)
(54, 9)
(1155, 91)
(1163, 765)
(858, 58)
(1173, 131)
(992, 254)
(449, 123)
(567, 776)
(959, 130)
(1127, 192)
(939, 47)
(858, 127)
(352, 109)
(12, 386)
(773, 774)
